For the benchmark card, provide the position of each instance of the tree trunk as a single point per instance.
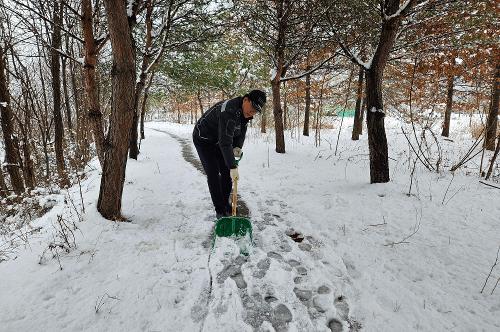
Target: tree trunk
(285, 107)
(46, 155)
(278, 119)
(6, 117)
(493, 159)
(42, 119)
(377, 140)
(357, 128)
(199, 104)
(319, 114)
(143, 106)
(4, 192)
(94, 111)
(133, 144)
(28, 168)
(492, 121)
(82, 120)
(141, 83)
(263, 121)
(297, 113)
(122, 111)
(29, 175)
(307, 110)
(66, 98)
(362, 112)
(449, 106)
(283, 12)
(55, 69)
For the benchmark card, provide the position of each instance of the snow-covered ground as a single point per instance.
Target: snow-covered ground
(157, 273)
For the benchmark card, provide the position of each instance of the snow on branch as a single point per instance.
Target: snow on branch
(375, 110)
(160, 30)
(403, 10)
(349, 53)
(312, 70)
(367, 65)
(130, 6)
(353, 56)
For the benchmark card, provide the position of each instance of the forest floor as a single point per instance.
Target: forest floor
(331, 251)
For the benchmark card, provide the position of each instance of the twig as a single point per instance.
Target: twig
(491, 270)
(343, 110)
(466, 158)
(317, 155)
(416, 228)
(498, 280)
(328, 141)
(489, 184)
(268, 156)
(440, 154)
(81, 195)
(382, 224)
(99, 304)
(424, 161)
(411, 175)
(100, 301)
(456, 192)
(23, 236)
(376, 225)
(448, 188)
(74, 206)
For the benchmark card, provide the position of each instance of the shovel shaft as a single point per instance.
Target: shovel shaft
(235, 196)
(235, 189)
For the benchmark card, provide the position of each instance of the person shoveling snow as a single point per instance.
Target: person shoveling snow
(218, 137)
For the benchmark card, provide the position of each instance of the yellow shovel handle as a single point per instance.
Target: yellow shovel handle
(235, 197)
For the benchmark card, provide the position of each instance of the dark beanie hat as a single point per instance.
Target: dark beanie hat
(258, 99)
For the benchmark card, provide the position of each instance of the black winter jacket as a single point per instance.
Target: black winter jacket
(223, 124)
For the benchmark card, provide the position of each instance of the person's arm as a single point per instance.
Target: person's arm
(227, 123)
(240, 139)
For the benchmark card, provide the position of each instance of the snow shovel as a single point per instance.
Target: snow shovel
(239, 228)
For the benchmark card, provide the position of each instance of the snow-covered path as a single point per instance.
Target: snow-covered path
(282, 285)
(152, 274)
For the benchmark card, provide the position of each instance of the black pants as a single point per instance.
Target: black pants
(219, 180)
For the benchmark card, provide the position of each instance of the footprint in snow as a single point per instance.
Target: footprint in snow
(335, 325)
(233, 270)
(275, 255)
(269, 219)
(262, 267)
(200, 310)
(342, 307)
(351, 269)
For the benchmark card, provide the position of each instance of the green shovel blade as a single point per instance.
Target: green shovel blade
(237, 227)
(233, 226)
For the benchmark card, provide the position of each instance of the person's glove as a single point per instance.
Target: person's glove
(237, 152)
(234, 173)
